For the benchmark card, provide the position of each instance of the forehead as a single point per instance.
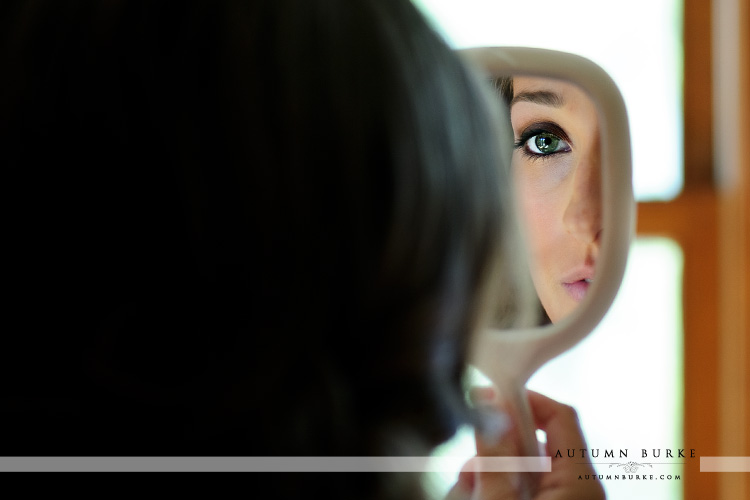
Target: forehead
(554, 94)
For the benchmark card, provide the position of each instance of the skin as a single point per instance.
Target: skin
(556, 164)
(560, 422)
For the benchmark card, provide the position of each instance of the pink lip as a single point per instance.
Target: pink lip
(576, 284)
(577, 289)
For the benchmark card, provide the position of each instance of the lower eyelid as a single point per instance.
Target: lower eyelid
(534, 156)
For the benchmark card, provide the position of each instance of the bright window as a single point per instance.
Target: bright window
(637, 42)
(626, 378)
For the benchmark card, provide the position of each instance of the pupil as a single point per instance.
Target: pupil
(547, 143)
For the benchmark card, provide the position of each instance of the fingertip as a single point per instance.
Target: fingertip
(483, 395)
(546, 409)
(466, 479)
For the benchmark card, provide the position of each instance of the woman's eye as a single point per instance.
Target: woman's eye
(543, 139)
(546, 144)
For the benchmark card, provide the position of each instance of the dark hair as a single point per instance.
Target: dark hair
(504, 86)
(241, 227)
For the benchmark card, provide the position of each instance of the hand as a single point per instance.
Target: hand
(560, 422)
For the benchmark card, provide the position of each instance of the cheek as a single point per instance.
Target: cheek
(543, 182)
(541, 214)
(544, 192)
(539, 223)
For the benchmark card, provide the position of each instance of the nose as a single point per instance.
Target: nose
(583, 215)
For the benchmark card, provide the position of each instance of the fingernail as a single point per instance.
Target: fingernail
(482, 395)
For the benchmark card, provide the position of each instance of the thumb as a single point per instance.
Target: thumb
(458, 492)
(464, 487)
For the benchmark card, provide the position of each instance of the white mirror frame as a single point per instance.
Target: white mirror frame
(510, 357)
(544, 343)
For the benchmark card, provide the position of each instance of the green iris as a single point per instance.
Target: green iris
(547, 143)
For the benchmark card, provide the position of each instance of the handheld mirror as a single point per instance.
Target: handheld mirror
(571, 168)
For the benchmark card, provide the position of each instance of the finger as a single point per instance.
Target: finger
(558, 420)
(483, 395)
(465, 485)
(496, 438)
(467, 476)
(494, 422)
(458, 492)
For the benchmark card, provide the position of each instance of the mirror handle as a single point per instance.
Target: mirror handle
(516, 403)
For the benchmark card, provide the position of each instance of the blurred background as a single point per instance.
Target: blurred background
(668, 368)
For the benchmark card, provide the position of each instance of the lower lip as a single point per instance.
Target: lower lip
(577, 289)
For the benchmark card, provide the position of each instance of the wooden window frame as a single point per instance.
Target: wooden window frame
(710, 220)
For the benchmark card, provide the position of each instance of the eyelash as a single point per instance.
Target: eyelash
(541, 128)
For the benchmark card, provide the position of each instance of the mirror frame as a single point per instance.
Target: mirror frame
(541, 344)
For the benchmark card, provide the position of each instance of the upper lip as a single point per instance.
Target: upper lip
(579, 274)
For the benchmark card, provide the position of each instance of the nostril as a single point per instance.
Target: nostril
(598, 237)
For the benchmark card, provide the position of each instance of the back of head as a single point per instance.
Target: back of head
(240, 227)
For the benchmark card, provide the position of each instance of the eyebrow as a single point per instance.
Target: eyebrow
(543, 97)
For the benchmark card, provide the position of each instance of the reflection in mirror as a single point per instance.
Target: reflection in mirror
(556, 166)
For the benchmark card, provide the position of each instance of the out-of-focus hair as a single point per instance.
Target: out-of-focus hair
(242, 227)
(504, 86)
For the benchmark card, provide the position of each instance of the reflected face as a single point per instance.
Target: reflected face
(556, 164)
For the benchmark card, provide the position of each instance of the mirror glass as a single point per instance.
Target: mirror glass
(556, 166)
